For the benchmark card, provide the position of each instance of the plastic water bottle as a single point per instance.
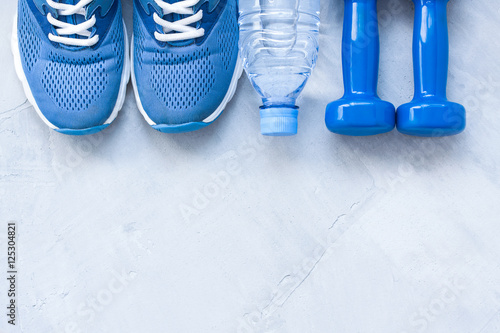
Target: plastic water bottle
(279, 47)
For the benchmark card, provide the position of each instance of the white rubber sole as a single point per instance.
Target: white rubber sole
(238, 71)
(29, 95)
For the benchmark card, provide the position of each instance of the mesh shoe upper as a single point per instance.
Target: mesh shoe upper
(74, 87)
(185, 82)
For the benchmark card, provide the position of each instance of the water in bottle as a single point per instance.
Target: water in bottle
(279, 47)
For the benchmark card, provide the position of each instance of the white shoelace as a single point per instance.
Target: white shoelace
(64, 30)
(181, 29)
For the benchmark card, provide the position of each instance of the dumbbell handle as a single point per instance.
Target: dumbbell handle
(360, 51)
(430, 48)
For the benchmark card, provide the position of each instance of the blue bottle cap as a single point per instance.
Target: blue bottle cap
(278, 121)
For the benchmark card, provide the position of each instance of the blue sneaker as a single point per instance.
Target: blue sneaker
(185, 61)
(73, 61)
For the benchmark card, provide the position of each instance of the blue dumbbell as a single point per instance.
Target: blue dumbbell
(360, 111)
(430, 114)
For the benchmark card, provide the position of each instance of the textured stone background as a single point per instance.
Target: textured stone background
(315, 233)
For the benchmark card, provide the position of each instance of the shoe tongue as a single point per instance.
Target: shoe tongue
(72, 19)
(173, 17)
